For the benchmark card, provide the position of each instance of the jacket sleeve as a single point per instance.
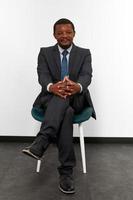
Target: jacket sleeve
(85, 73)
(44, 76)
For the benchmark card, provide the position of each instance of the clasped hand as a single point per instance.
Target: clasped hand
(65, 88)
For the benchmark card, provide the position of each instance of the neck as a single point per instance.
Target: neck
(65, 47)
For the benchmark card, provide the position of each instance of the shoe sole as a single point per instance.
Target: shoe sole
(29, 153)
(66, 192)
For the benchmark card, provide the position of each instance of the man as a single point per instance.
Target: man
(64, 72)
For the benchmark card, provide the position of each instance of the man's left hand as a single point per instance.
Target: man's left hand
(71, 87)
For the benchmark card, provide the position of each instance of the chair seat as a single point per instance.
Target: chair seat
(38, 114)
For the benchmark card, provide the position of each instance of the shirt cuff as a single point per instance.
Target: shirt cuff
(49, 86)
(81, 88)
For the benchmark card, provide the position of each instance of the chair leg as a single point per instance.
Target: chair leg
(82, 147)
(38, 166)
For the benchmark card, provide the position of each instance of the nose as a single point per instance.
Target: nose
(64, 34)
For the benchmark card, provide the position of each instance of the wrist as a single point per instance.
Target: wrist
(78, 88)
(48, 86)
(81, 88)
(51, 88)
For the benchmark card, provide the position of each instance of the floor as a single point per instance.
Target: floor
(109, 173)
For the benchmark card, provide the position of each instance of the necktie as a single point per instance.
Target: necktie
(64, 65)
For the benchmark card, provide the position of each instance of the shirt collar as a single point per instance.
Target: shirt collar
(61, 49)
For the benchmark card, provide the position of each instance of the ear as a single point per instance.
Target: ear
(54, 35)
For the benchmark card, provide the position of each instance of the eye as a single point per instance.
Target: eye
(69, 32)
(59, 33)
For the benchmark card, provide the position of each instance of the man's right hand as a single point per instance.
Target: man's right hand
(58, 89)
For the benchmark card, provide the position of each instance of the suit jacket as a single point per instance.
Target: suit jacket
(49, 71)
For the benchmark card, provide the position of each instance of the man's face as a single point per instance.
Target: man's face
(64, 35)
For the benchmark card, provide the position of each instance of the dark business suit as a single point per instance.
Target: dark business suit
(58, 111)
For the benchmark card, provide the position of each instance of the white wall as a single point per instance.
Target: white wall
(103, 26)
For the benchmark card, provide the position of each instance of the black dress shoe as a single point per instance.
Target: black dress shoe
(30, 153)
(66, 184)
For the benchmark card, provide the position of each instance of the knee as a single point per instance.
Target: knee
(69, 111)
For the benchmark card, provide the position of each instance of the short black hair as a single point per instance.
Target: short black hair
(63, 21)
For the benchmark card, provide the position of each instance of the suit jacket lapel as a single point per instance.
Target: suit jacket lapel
(57, 61)
(73, 62)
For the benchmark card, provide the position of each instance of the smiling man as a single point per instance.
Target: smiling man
(64, 73)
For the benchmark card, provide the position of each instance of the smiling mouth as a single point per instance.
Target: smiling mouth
(64, 41)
